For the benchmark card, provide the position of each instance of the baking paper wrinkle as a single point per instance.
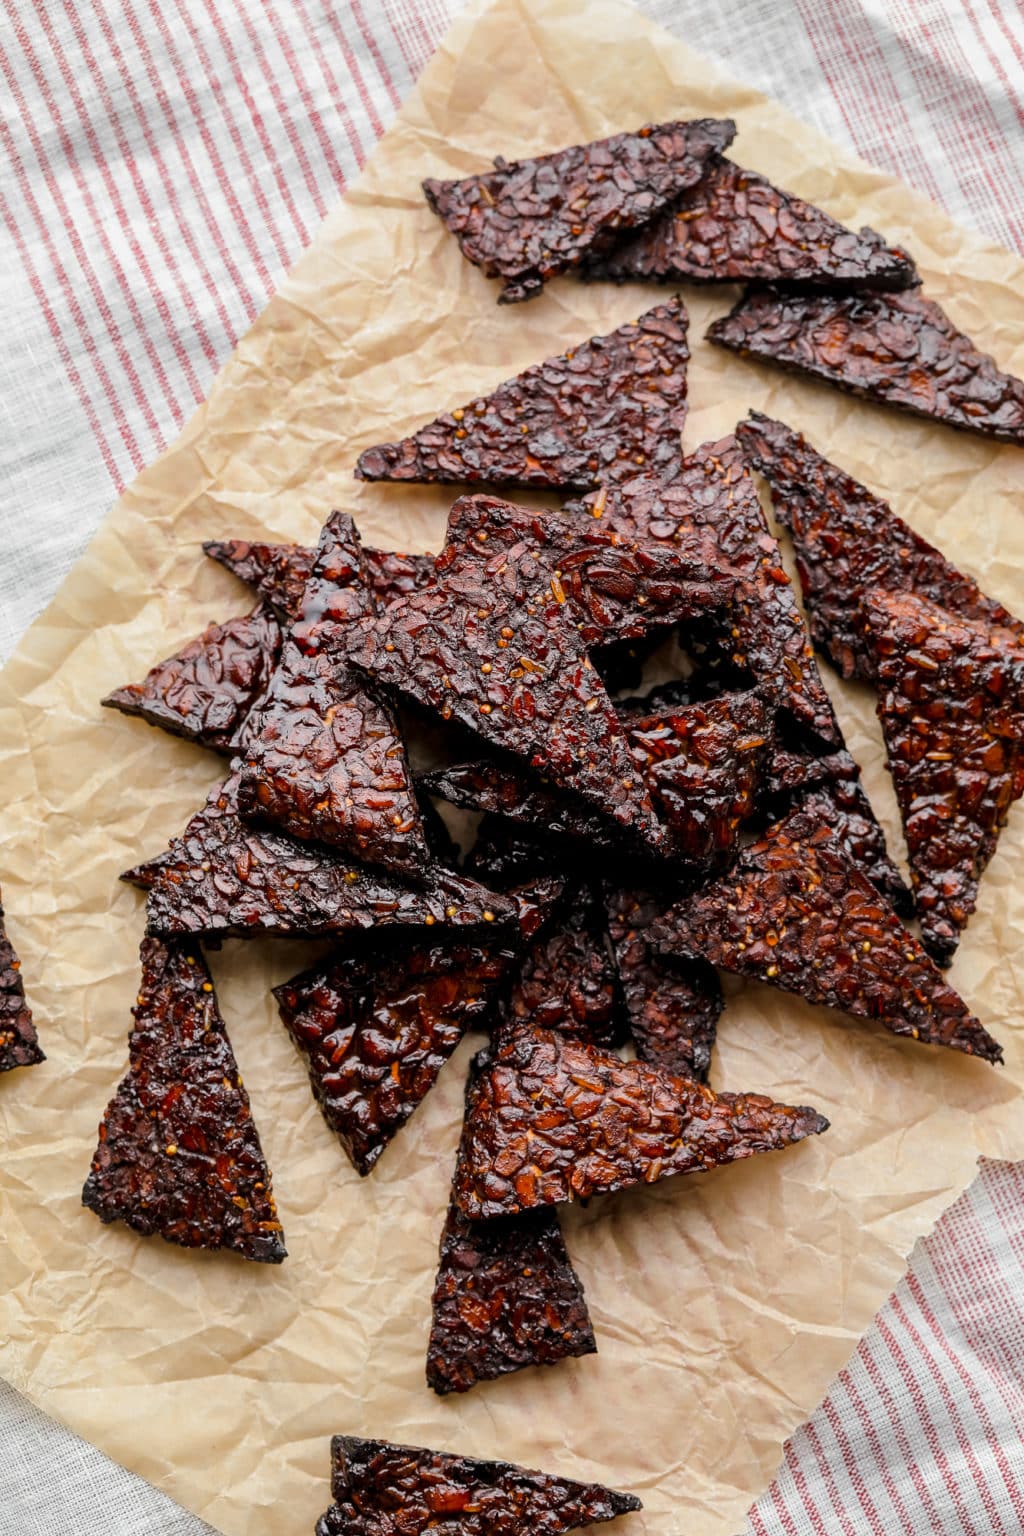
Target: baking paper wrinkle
(723, 1305)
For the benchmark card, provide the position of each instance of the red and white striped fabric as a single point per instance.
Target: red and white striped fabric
(923, 1433)
(164, 162)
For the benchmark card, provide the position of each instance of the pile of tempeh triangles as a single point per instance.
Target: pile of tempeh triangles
(633, 840)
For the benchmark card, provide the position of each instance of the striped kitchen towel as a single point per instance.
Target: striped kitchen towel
(922, 1434)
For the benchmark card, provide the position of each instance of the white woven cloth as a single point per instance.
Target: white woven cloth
(163, 163)
(54, 1484)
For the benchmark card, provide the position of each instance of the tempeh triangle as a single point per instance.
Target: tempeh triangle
(550, 1119)
(897, 348)
(19, 1043)
(847, 540)
(606, 409)
(325, 760)
(223, 878)
(951, 703)
(376, 1032)
(736, 227)
(382, 1489)
(528, 220)
(793, 911)
(179, 1156)
(206, 690)
(673, 1004)
(506, 1296)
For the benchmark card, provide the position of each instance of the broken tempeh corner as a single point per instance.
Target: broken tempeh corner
(19, 1043)
(506, 1297)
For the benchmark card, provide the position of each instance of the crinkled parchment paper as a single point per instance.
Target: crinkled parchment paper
(723, 1304)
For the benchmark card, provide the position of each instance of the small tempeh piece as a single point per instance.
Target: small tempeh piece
(736, 227)
(382, 1489)
(600, 412)
(793, 911)
(19, 1043)
(900, 349)
(550, 1119)
(206, 690)
(279, 572)
(830, 786)
(567, 978)
(847, 540)
(673, 1004)
(703, 764)
(504, 854)
(506, 1296)
(325, 761)
(528, 220)
(225, 879)
(951, 704)
(179, 1156)
(503, 788)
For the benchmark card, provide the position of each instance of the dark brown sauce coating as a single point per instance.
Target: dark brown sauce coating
(179, 1156)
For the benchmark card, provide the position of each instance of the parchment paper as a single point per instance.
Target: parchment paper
(723, 1304)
